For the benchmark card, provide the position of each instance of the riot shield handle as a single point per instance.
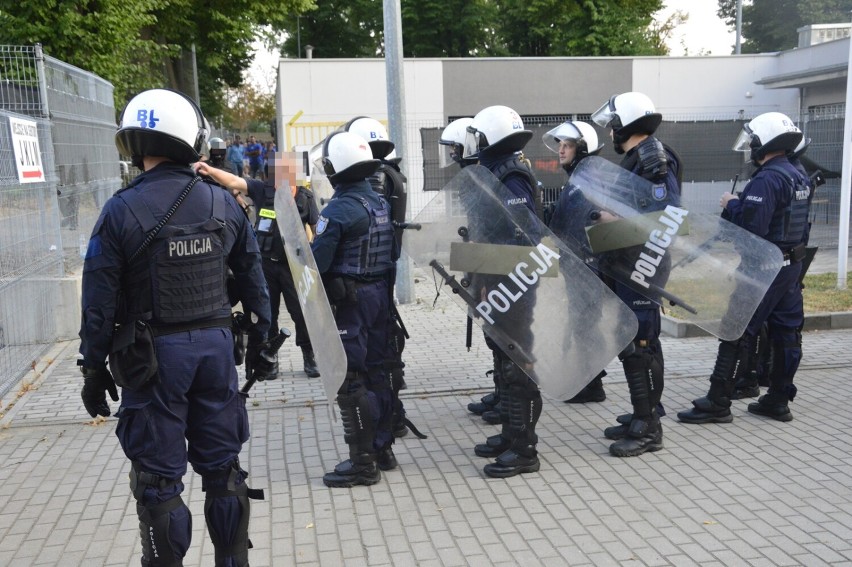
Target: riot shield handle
(408, 225)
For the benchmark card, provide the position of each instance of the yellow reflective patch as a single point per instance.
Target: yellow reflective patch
(267, 213)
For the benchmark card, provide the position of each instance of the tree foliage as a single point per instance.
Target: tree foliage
(139, 44)
(770, 25)
(458, 28)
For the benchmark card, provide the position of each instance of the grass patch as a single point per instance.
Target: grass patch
(822, 296)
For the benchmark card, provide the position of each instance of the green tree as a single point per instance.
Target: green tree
(770, 25)
(139, 44)
(454, 28)
(448, 28)
(336, 29)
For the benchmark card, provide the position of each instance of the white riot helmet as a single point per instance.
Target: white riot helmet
(374, 132)
(627, 114)
(495, 129)
(581, 133)
(451, 143)
(347, 157)
(801, 148)
(768, 132)
(217, 147)
(161, 122)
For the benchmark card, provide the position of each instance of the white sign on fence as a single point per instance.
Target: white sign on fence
(27, 151)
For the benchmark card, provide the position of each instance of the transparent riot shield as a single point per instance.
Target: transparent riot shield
(544, 308)
(700, 267)
(320, 185)
(322, 328)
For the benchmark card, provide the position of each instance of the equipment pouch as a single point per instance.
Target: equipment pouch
(132, 358)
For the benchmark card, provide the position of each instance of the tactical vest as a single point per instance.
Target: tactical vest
(371, 254)
(266, 227)
(789, 224)
(181, 276)
(514, 165)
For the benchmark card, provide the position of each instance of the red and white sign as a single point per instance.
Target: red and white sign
(27, 151)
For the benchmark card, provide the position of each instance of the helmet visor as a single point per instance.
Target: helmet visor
(471, 142)
(605, 114)
(552, 138)
(449, 153)
(743, 141)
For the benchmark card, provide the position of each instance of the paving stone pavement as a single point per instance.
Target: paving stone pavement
(754, 492)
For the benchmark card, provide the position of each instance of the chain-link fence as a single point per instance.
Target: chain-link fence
(45, 225)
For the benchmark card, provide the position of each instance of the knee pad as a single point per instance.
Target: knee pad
(165, 522)
(227, 512)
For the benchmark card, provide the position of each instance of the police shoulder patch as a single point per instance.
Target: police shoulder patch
(660, 192)
(322, 223)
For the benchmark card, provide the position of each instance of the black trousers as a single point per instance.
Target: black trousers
(279, 279)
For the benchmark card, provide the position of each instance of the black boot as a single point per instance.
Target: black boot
(360, 468)
(485, 403)
(385, 459)
(310, 364)
(492, 416)
(715, 407)
(644, 434)
(491, 399)
(498, 444)
(747, 385)
(493, 446)
(774, 404)
(524, 410)
(592, 392)
(357, 470)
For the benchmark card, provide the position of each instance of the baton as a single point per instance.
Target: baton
(496, 333)
(271, 350)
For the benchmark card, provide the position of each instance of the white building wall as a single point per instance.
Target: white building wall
(711, 85)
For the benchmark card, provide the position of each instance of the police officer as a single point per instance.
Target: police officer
(276, 269)
(451, 151)
(355, 252)
(758, 362)
(218, 148)
(632, 120)
(573, 141)
(192, 409)
(495, 137)
(389, 182)
(774, 205)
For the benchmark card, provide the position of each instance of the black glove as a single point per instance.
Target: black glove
(96, 383)
(261, 361)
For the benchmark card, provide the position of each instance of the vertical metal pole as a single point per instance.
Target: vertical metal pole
(49, 201)
(396, 121)
(737, 48)
(845, 180)
(195, 77)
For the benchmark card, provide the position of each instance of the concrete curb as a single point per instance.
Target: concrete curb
(679, 329)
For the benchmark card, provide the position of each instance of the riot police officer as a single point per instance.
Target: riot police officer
(191, 408)
(218, 148)
(632, 120)
(573, 141)
(276, 269)
(355, 252)
(389, 182)
(451, 151)
(774, 205)
(495, 137)
(759, 361)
